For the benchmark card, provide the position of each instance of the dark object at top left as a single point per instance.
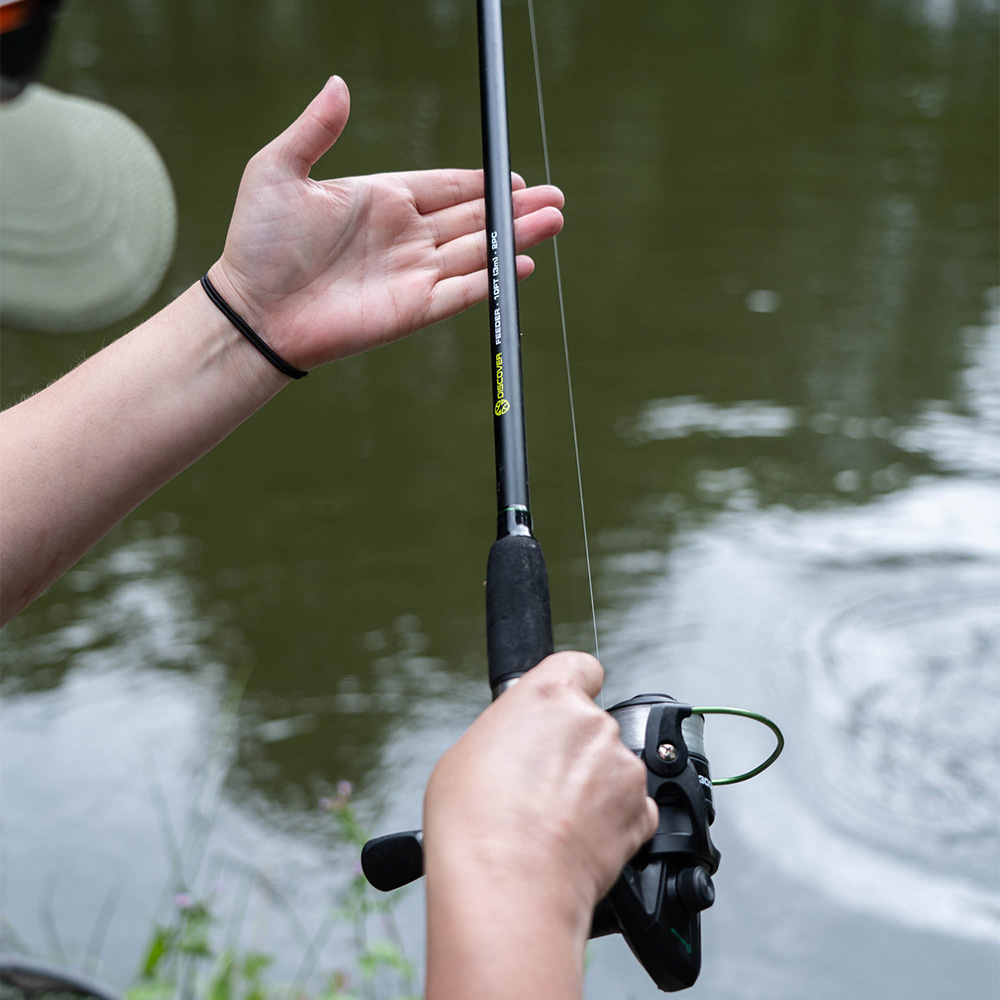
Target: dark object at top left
(25, 30)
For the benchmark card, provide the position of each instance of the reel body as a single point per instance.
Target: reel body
(657, 901)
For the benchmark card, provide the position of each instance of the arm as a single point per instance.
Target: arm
(320, 269)
(528, 821)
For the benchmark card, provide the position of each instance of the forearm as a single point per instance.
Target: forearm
(82, 453)
(493, 936)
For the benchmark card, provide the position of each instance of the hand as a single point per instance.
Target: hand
(541, 790)
(326, 269)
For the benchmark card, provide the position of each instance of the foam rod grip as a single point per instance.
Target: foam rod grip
(518, 616)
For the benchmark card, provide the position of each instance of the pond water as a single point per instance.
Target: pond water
(780, 263)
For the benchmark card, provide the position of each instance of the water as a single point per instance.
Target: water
(781, 280)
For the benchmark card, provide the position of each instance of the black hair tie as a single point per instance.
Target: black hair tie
(241, 324)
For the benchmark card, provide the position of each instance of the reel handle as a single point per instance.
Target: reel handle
(395, 860)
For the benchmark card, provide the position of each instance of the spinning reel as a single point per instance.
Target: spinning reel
(657, 901)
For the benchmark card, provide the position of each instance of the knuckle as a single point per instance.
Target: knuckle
(635, 767)
(258, 160)
(636, 772)
(549, 686)
(607, 728)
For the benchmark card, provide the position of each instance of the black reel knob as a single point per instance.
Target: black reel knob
(394, 860)
(692, 889)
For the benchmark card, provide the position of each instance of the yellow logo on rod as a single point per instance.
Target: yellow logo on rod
(502, 404)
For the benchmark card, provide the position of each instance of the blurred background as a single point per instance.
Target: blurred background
(780, 266)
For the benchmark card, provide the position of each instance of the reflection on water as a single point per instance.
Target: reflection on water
(871, 631)
(130, 603)
(117, 778)
(780, 265)
(873, 634)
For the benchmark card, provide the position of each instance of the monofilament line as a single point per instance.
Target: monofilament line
(562, 317)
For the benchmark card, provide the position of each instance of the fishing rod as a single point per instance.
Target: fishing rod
(657, 901)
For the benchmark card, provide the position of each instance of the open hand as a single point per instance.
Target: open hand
(326, 269)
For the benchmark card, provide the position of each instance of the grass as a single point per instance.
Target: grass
(195, 956)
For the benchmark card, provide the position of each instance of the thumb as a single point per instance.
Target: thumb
(315, 130)
(578, 669)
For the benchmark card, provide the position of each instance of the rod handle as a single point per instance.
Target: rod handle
(518, 615)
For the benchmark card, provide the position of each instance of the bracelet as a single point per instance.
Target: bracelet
(241, 324)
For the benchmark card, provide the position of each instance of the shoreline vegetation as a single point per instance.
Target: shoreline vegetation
(193, 954)
(184, 957)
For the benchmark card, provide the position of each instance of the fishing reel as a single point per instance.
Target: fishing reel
(657, 901)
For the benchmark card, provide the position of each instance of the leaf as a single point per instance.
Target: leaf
(384, 954)
(352, 830)
(157, 990)
(254, 963)
(194, 935)
(195, 945)
(220, 986)
(161, 944)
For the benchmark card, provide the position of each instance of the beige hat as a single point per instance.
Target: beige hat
(87, 213)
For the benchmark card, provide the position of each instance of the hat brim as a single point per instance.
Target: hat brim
(88, 218)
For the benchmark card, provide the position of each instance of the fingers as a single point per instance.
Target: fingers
(470, 216)
(437, 189)
(468, 253)
(463, 262)
(581, 670)
(315, 130)
(651, 820)
(453, 295)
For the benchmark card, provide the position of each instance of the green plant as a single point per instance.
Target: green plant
(184, 958)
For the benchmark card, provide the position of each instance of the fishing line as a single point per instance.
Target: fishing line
(562, 318)
(656, 903)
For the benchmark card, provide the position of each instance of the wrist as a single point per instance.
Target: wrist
(214, 353)
(518, 882)
(495, 935)
(256, 361)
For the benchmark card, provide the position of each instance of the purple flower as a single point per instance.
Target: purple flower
(183, 901)
(344, 789)
(326, 804)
